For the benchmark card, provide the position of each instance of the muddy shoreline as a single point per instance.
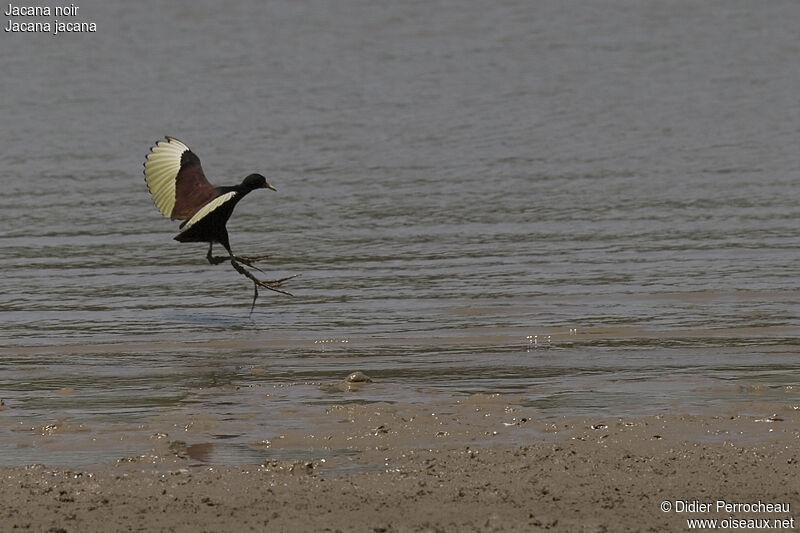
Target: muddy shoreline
(587, 475)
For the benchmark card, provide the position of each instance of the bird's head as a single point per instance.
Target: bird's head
(256, 181)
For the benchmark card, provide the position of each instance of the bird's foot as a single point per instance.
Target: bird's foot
(215, 260)
(249, 260)
(272, 285)
(243, 259)
(277, 282)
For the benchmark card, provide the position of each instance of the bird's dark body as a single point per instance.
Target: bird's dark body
(211, 228)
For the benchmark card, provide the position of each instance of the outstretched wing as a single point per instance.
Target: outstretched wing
(176, 180)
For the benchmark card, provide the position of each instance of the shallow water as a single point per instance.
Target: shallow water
(617, 179)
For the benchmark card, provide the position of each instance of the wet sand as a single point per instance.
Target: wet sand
(415, 470)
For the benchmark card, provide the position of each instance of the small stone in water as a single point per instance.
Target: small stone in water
(354, 382)
(358, 377)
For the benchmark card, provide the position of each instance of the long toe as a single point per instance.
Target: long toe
(277, 282)
(249, 259)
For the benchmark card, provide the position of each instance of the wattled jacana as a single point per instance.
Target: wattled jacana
(181, 192)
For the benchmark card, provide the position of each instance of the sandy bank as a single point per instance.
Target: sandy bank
(610, 475)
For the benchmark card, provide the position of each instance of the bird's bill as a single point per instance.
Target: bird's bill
(268, 186)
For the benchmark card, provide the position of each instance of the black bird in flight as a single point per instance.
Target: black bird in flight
(181, 192)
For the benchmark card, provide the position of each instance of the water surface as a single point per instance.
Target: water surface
(617, 179)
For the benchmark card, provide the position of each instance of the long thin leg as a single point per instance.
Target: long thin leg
(246, 260)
